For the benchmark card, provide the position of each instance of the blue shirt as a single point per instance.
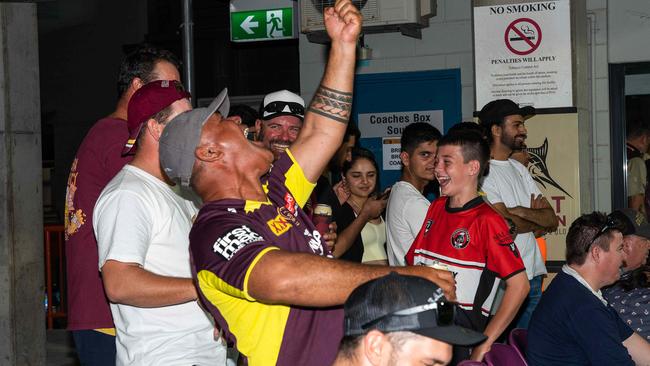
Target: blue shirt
(632, 306)
(571, 326)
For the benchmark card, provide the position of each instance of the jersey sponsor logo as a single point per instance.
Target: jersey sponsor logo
(234, 240)
(284, 212)
(428, 226)
(505, 240)
(232, 210)
(279, 225)
(460, 238)
(314, 242)
(290, 203)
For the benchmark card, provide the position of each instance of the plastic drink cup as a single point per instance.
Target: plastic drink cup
(322, 218)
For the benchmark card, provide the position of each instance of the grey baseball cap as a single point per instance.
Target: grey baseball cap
(633, 222)
(181, 136)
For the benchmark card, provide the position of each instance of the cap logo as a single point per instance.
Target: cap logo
(460, 238)
(164, 84)
(639, 219)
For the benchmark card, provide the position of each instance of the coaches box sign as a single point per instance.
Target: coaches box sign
(523, 52)
(393, 123)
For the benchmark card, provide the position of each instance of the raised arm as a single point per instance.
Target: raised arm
(329, 112)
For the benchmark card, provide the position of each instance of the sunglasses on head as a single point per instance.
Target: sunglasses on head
(445, 312)
(279, 106)
(610, 224)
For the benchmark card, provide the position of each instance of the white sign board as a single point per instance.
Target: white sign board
(393, 123)
(391, 149)
(523, 52)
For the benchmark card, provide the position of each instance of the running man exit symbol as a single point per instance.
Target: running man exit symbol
(261, 25)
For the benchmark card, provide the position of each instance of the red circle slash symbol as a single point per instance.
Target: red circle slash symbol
(523, 36)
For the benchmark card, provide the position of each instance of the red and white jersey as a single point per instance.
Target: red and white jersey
(474, 242)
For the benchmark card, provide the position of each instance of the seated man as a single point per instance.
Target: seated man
(402, 319)
(573, 324)
(465, 234)
(630, 296)
(259, 262)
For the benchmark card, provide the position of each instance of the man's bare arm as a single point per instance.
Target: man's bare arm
(329, 112)
(303, 279)
(517, 288)
(540, 213)
(523, 226)
(638, 348)
(130, 284)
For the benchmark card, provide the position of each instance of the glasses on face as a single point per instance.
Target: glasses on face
(445, 312)
(610, 224)
(279, 106)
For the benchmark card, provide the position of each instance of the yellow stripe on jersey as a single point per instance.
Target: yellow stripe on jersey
(258, 328)
(107, 331)
(297, 183)
(251, 206)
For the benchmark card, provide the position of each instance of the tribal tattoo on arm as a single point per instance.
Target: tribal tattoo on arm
(332, 104)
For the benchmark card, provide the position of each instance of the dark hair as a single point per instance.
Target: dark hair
(350, 131)
(417, 133)
(140, 64)
(357, 154)
(473, 147)
(247, 114)
(349, 345)
(397, 340)
(466, 126)
(636, 128)
(581, 235)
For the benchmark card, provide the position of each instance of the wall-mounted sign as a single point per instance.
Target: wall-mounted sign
(261, 25)
(523, 52)
(393, 123)
(391, 148)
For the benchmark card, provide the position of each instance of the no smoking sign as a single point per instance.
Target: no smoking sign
(523, 36)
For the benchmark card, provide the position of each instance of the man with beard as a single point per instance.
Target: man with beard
(510, 188)
(280, 122)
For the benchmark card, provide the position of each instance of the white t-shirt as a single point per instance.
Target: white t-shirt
(510, 182)
(405, 214)
(139, 219)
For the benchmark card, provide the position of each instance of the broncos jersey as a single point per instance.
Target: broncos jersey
(228, 239)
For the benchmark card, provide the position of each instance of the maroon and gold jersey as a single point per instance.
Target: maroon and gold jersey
(227, 240)
(474, 243)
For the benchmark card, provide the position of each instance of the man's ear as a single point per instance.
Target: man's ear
(154, 128)
(136, 83)
(259, 126)
(208, 153)
(404, 157)
(496, 129)
(375, 347)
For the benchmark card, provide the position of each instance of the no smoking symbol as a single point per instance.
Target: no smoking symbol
(523, 36)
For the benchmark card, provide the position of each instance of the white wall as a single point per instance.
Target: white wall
(445, 44)
(602, 167)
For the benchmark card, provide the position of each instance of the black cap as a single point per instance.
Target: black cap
(495, 111)
(373, 304)
(632, 222)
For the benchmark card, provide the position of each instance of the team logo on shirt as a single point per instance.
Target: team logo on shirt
(234, 240)
(460, 238)
(279, 225)
(290, 203)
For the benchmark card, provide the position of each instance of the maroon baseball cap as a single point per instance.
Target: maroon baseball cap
(150, 99)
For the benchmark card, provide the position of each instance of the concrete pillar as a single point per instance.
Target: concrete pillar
(22, 316)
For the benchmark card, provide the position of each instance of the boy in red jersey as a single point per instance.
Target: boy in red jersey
(472, 240)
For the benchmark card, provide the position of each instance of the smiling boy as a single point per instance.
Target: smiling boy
(463, 233)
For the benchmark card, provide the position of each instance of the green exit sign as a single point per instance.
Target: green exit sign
(261, 25)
